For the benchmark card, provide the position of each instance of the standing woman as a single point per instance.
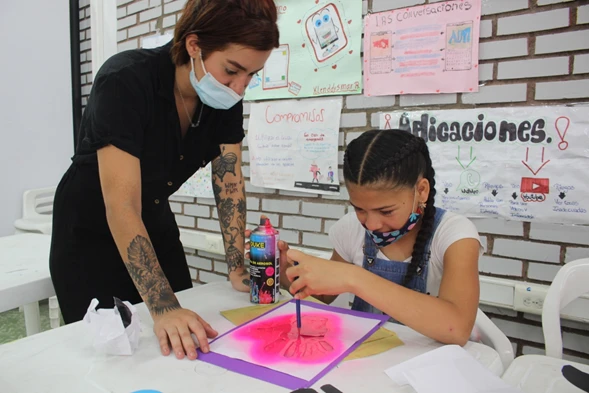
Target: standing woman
(153, 118)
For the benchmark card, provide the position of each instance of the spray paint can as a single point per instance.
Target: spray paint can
(264, 264)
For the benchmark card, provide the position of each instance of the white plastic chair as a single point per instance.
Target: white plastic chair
(542, 374)
(37, 215)
(571, 282)
(489, 334)
(36, 211)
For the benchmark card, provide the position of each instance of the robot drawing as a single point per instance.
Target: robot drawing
(326, 32)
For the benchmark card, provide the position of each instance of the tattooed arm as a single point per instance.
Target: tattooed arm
(120, 180)
(121, 186)
(229, 190)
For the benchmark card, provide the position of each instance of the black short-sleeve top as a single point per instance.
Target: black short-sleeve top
(132, 107)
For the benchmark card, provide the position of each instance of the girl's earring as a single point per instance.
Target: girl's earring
(422, 206)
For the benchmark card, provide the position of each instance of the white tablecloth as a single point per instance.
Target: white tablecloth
(64, 361)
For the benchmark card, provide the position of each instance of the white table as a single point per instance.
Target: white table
(541, 374)
(24, 275)
(63, 360)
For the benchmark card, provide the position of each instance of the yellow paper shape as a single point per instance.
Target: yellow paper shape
(381, 341)
(239, 316)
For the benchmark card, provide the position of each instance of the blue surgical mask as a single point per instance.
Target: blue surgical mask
(211, 92)
(383, 239)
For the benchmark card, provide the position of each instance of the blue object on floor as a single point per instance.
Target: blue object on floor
(146, 391)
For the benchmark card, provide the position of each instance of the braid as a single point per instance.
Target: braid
(427, 221)
(411, 147)
(365, 158)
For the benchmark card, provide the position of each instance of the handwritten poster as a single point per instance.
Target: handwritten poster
(293, 145)
(319, 53)
(199, 185)
(433, 48)
(518, 163)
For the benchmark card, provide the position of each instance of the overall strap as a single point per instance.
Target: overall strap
(369, 248)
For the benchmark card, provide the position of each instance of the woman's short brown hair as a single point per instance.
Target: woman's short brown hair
(219, 23)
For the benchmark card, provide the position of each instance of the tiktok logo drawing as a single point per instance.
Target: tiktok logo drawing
(469, 178)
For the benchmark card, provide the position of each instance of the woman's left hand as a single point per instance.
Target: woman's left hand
(317, 276)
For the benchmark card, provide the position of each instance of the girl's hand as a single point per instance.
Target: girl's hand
(317, 276)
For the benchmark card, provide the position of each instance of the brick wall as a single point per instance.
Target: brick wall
(85, 51)
(532, 52)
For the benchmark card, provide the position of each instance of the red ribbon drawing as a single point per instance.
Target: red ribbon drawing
(387, 125)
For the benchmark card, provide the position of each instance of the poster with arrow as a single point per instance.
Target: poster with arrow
(517, 163)
(427, 49)
(319, 53)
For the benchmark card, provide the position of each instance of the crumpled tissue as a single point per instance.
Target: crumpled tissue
(116, 330)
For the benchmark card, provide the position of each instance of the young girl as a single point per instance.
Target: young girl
(402, 256)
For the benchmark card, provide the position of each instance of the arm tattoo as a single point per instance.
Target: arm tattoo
(223, 164)
(217, 191)
(227, 208)
(245, 281)
(149, 278)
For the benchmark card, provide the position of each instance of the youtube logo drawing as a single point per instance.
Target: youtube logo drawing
(535, 186)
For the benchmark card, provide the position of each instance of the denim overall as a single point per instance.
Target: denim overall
(395, 270)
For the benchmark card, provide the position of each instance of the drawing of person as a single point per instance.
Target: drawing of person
(330, 175)
(316, 172)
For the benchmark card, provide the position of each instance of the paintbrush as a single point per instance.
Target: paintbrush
(300, 319)
(298, 305)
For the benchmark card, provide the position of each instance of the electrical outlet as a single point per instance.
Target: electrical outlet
(529, 297)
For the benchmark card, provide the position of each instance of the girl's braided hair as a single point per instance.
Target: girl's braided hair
(394, 158)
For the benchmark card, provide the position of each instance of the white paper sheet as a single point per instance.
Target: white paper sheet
(319, 54)
(449, 369)
(199, 185)
(293, 145)
(342, 330)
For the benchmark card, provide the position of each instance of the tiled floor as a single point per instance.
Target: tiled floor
(12, 323)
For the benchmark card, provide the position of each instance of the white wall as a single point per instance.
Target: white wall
(35, 101)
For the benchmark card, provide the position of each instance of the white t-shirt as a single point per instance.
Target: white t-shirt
(347, 237)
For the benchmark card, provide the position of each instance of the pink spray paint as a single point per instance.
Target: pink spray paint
(276, 340)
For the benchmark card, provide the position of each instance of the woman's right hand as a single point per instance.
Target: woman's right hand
(176, 328)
